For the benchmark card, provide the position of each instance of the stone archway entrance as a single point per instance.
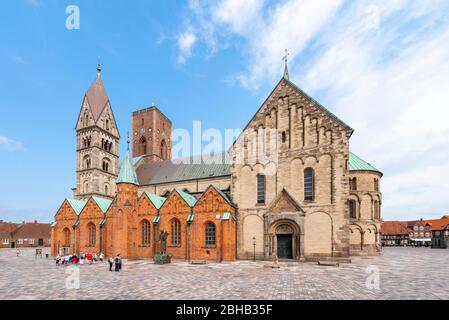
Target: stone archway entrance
(285, 239)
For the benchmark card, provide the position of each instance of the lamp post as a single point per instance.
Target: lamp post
(254, 246)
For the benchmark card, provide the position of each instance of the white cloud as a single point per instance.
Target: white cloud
(10, 145)
(186, 41)
(390, 83)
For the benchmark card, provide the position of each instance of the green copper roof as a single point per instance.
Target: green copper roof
(77, 205)
(191, 200)
(358, 164)
(155, 199)
(224, 195)
(127, 172)
(103, 203)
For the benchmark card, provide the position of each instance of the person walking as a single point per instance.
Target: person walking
(118, 263)
(101, 257)
(58, 259)
(111, 263)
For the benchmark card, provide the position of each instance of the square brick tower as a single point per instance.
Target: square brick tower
(152, 132)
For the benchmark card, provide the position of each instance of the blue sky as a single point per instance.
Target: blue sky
(381, 66)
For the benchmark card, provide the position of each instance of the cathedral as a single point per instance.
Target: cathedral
(288, 187)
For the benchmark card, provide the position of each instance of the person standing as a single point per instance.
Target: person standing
(118, 263)
(58, 259)
(101, 257)
(111, 263)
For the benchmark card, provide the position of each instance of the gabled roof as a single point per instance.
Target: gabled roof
(77, 205)
(394, 227)
(102, 203)
(221, 193)
(127, 172)
(33, 230)
(358, 164)
(97, 98)
(189, 199)
(156, 200)
(284, 194)
(295, 87)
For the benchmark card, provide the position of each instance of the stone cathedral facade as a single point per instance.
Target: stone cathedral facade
(289, 187)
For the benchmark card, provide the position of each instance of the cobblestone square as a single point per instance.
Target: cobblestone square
(404, 273)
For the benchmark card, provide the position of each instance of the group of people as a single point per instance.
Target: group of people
(89, 258)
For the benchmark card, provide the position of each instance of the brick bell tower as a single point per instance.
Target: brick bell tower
(152, 132)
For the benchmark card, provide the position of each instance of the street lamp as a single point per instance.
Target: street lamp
(254, 245)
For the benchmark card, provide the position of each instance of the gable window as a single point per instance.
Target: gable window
(352, 209)
(210, 234)
(309, 184)
(260, 189)
(175, 233)
(92, 234)
(146, 233)
(107, 125)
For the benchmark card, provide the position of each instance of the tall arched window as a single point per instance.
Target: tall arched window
(284, 137)
(210, 234)
(175, 232)
(92, 234)
(107, 125)
(66, 237)
(106, 189)
(309, 184)
(352, 209)
(143, 145)
(260, 189)
(164, 150)
(146, 233)
(86, 187)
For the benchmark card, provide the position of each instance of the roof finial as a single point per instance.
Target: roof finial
(99, 67)
(128, 141)
(285, 58)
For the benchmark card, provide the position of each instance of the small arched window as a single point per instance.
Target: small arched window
(210, 235)
(92, 235)
(143, 145)
(309, 184)
(107, 125)
(106, 190)
(284, 137)
(175, 233)
(146, 233)
(376, 185)
(353, 184)
(352, 209)
(260, 189)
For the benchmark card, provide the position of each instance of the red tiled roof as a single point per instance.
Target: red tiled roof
(438, 224)
(33, 231)
(394, 227)
(6, 229)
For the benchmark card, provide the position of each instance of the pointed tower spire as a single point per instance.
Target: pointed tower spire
(285, 58)
(127, 172)
(128, 141)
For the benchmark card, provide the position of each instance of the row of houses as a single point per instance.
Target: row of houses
(24, 235)
(434, 233)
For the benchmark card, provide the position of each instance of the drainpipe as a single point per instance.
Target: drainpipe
(236, 234)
